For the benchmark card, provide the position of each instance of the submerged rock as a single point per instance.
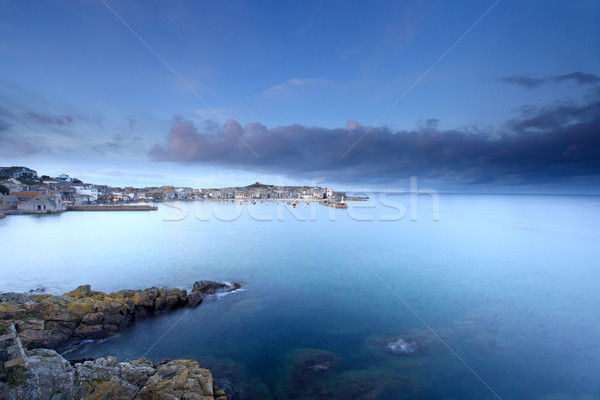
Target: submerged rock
(235, 379)
(308, 373)
(316, 375)
(483, 332)
(368, 384)
(402, 346)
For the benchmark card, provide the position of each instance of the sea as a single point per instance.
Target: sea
(452, 296)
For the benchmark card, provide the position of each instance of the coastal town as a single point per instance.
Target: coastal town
(22, 191)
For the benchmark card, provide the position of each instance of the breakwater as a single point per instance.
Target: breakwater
(135, 207)
(333, 204)
(351, 198)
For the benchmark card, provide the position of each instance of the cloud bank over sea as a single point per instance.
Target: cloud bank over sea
(557, 143)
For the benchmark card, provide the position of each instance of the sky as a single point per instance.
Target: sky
(488, 96)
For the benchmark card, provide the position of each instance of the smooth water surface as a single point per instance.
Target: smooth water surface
(509, 284)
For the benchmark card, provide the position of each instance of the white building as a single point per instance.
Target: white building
(64, 178)
(87, 191)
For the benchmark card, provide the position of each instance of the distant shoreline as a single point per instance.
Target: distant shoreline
(150, 205)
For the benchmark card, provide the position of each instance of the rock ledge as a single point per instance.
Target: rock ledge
(50, 376)
(48, 321)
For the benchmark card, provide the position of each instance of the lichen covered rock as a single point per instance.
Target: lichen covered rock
(177, 380)
(49, 377)
(55, 376)
(45, 322)
(48, 321)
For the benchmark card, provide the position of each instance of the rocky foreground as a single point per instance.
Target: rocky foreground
(49, 321)
(31, 326)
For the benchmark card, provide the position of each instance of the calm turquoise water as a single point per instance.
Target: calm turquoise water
(510, 283)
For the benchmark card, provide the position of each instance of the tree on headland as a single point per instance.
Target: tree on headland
(4, 190)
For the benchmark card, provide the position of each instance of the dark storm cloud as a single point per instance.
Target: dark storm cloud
(531, 82)
(60, 120)
(541, 145)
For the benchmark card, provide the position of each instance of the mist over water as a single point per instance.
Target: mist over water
(509, 282)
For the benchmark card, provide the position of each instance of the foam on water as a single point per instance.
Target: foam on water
(402, 346)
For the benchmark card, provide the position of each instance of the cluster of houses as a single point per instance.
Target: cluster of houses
(17, 172)
(107, 194)
(266, 192)
(22, 191)
(31, 200)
